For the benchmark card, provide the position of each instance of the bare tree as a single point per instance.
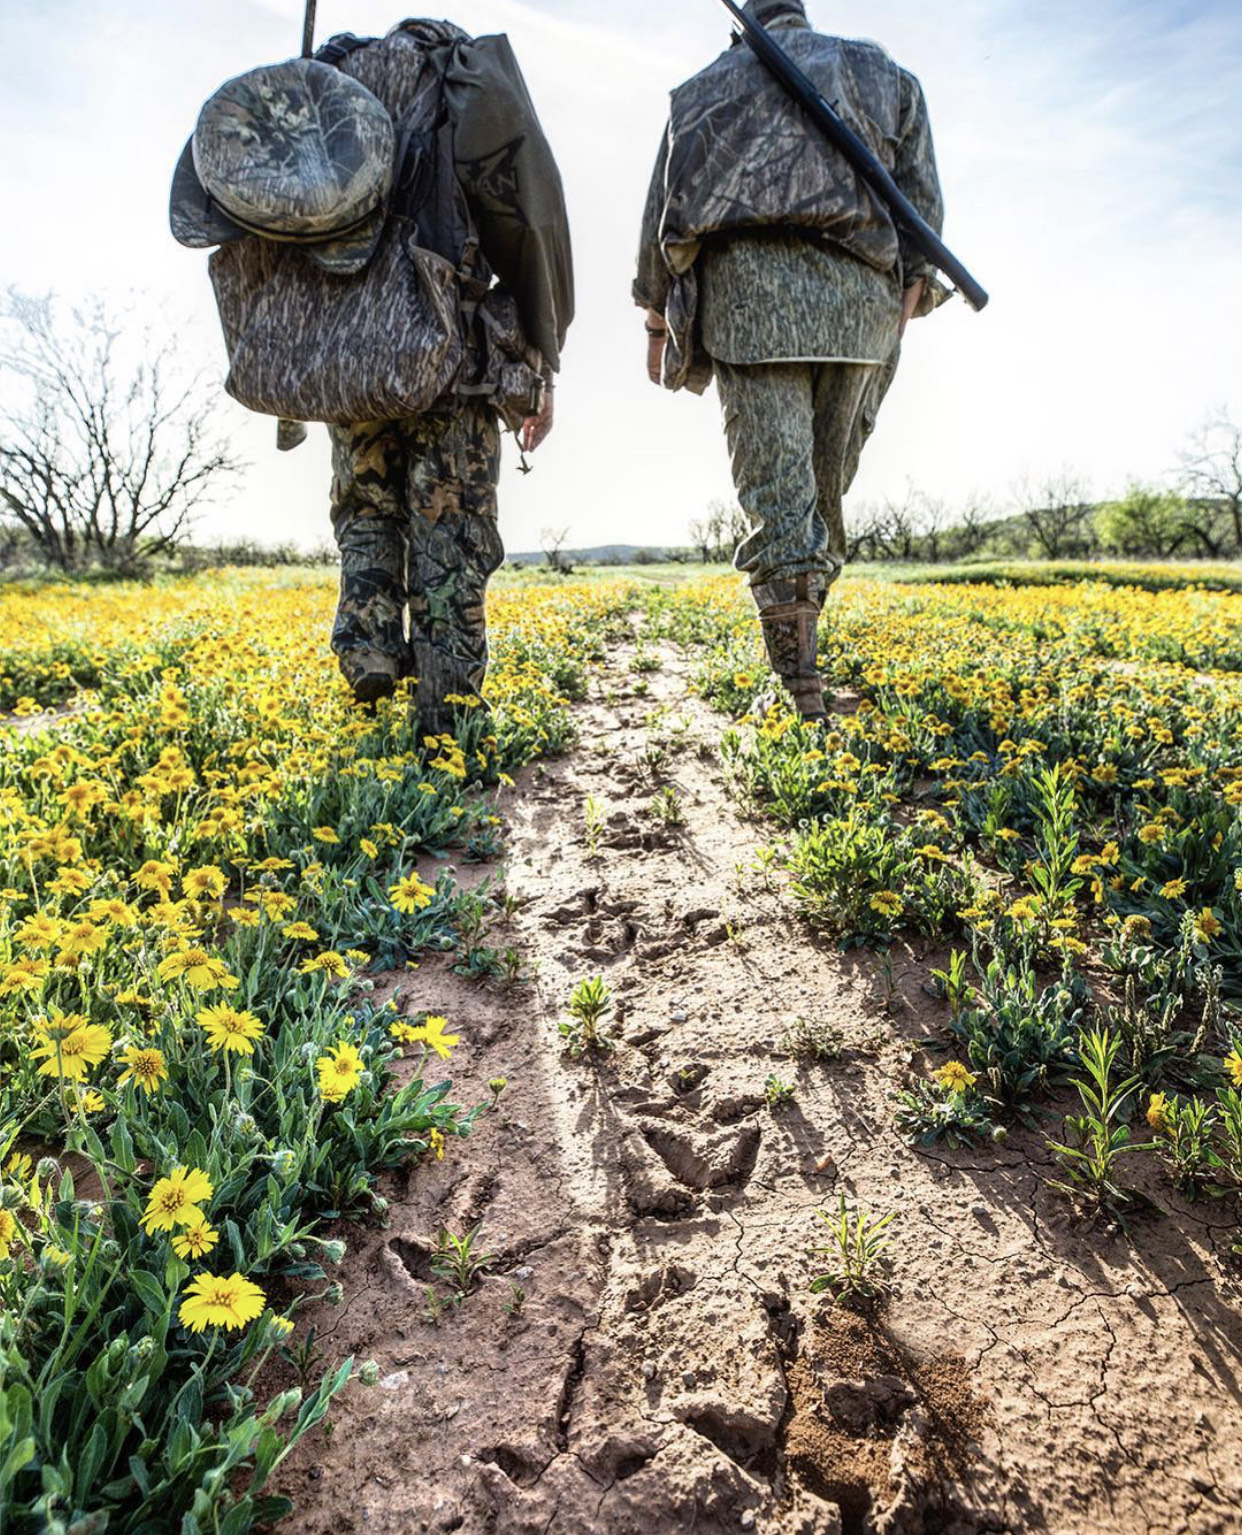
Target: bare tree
(1058, 515)
(105, 453)
(898, 529)
(865, 536)
(1212, 475)
(552, 542)
(701, 538)
(933, 524)
(724, 528)
(971, 529)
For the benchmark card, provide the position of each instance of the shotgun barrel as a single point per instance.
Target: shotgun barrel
(906, 216)
(308, 29)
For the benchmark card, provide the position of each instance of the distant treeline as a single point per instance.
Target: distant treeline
(22, 558)
(1196, 515)
(109, 456)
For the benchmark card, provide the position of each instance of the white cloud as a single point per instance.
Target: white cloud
(1090, 158)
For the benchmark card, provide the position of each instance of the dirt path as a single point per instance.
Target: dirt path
(668, 1369)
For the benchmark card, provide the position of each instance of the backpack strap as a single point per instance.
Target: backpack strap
(337, 49)
(424, 180)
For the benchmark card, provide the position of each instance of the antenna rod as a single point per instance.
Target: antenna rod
(308, 31)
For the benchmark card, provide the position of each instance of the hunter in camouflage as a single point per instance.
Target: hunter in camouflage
(411, 302)
(414, 501)
(765, 263)
(414, 512)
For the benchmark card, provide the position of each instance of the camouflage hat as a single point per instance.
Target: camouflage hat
(297, 152)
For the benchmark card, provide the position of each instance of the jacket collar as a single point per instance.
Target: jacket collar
(786, 23)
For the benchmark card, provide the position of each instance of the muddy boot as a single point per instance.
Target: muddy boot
(789, 615)
(373, 677)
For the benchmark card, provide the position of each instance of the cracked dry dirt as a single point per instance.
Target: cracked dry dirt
(669, 1370)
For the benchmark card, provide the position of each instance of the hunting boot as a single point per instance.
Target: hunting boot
(789, 616)
(373, 678)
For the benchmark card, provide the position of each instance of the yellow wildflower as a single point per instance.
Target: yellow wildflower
(329, 963)
(410, 894)
(147, 1069)
(205, 884)
(339, 1072)
(70, 1047)
(200, 970)
(230, 1030)
(195, 1241)
(1207, 925)
(214, 1301)
(175, 1200)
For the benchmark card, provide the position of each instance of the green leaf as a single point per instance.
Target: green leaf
(122, 1145)
(233, 1237)
(151, 1293)
(240, 1519)
(89, 1459)
(20, 1456)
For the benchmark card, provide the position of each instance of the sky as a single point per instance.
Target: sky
(1091, 154)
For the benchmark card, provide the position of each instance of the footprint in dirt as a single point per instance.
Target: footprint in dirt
(668, 1166)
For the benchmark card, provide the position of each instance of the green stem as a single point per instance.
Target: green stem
(60, 1083)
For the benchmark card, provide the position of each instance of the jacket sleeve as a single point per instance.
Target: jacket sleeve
(511, 181)
(651, 285)
(915, 173)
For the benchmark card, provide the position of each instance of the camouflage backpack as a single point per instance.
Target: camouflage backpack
(345, 240)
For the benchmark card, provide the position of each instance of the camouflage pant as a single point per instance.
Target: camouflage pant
(796, 433)
(414, 511)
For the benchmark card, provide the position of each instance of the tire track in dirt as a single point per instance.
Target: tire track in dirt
(668, 1370)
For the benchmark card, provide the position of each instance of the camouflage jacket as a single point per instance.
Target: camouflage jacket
(739, 157)
(781, 297)
(488, 196)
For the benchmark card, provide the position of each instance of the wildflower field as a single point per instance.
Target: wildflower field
(211, 859)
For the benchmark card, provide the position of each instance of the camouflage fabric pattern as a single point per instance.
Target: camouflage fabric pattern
(796, 432)
(766, 11)
(786, 298)
(296, 149)
(306, 347)
(740, 155)
(414, 511)
(740, 158)
(511, 180)
(497, 191)
(791, 643)
(406, 334)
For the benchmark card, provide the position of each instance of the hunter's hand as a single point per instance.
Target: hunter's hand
(657, 340)
(535, 429)
(910, 301)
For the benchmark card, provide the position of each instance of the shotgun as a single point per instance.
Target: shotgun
(308, 29)
(842, 137)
